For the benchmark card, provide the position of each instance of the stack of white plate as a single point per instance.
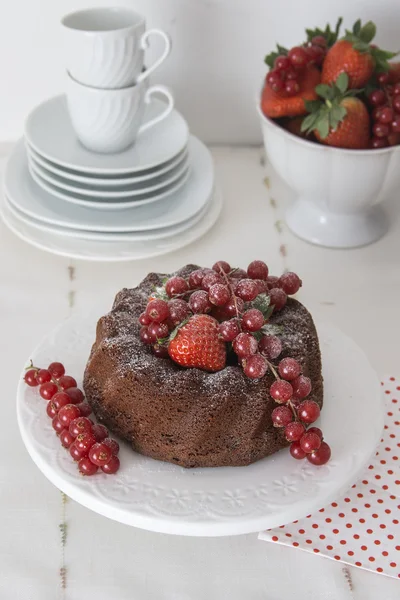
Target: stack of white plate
(155, 197)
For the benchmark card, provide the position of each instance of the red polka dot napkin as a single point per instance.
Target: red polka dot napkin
(361, 529)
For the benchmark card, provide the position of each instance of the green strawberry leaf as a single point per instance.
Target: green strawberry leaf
(357, 27)
(330, 36)
(342, 82)
(272, 56)
(262, 303)
(325, 91)
(368, 32)
(174, 332)
(381, 58)
(257, 335)
(271, 329)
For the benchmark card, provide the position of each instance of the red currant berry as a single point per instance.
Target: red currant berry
(244, 345)
(301, 387)
(320, 456)
(315, 430)
(292, 87)
(281, 416)
(68, 413)
(57, 425)
(290, 283)
(274, 80)
(144, 319)
(80, 425)
(100, 432)
(253, 319)
(112, 444)
(195, 278)
(270, 346)
(178, 311)
(278, 298)
(30, 378)
(47, 390)
(75, 394)
(261, 285)
(157, 331)
(396, 124)
(84, 441)
(75, 452)
(210, 279)
(396, 103)
(257, 270)
(377, 98)
(221, 265)
(377, 143)
(234, 307)
(66, 438)
(157, 310)
(238, 274)
(219, 294)
(281, 391)
(289, 369)
(290, 74)
(43, 376)
(199, 302)
(255, 366)
(160, 351)
(85, 409)
(145, 336)
(281, 63)
(396, 89)
(297, 451)
(310, 442)
(61, 399)
(228, 330)
(51, 409)
(386, 115)
(294, 431)
(112, 466)
(56, 369)
(382, 78)
(298, 56)
(86, 467)
(319, 40)
(176, 286)
(272, 282)
(247, 290)
(380, 130)
(308, 411)
(66, 381)
(100, 454)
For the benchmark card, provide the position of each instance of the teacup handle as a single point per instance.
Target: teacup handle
(144, 44)
(157, 89)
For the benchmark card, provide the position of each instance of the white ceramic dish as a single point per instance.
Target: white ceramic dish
(107, 204)
(49, 131)
(156, 234)
(30, 199)
(216, 501)
(114, 251)
(125, 191)
(337, 191)
(109, 181)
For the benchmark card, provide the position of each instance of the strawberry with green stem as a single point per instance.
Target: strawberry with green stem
(355, 55)
(338, 118)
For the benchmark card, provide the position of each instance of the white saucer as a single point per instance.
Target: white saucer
(104, 203)
(110, 180)
(116, 250)
(49, 131)
(157, 234)
(166, 498)
(106, 193)
(30, 199)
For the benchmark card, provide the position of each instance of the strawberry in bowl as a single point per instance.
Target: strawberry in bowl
(333, 135)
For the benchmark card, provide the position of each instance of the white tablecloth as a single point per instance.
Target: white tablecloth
(54, 549)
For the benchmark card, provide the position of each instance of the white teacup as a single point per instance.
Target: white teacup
(109, 121)
(105, 47)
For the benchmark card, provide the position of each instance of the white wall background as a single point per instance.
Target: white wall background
(214, 69)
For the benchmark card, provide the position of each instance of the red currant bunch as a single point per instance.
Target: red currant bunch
(87, 442)
(385, 106)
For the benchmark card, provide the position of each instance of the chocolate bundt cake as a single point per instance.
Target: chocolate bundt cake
(189, 416)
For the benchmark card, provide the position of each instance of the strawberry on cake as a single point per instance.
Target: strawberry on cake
(210, 367)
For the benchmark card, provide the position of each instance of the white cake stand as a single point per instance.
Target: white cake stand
(166, 498)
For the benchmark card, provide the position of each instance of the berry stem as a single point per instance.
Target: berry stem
(229, 285)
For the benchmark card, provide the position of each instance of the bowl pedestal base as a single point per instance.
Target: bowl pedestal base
(309, 222)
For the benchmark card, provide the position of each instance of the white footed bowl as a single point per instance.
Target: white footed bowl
(337, 191)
